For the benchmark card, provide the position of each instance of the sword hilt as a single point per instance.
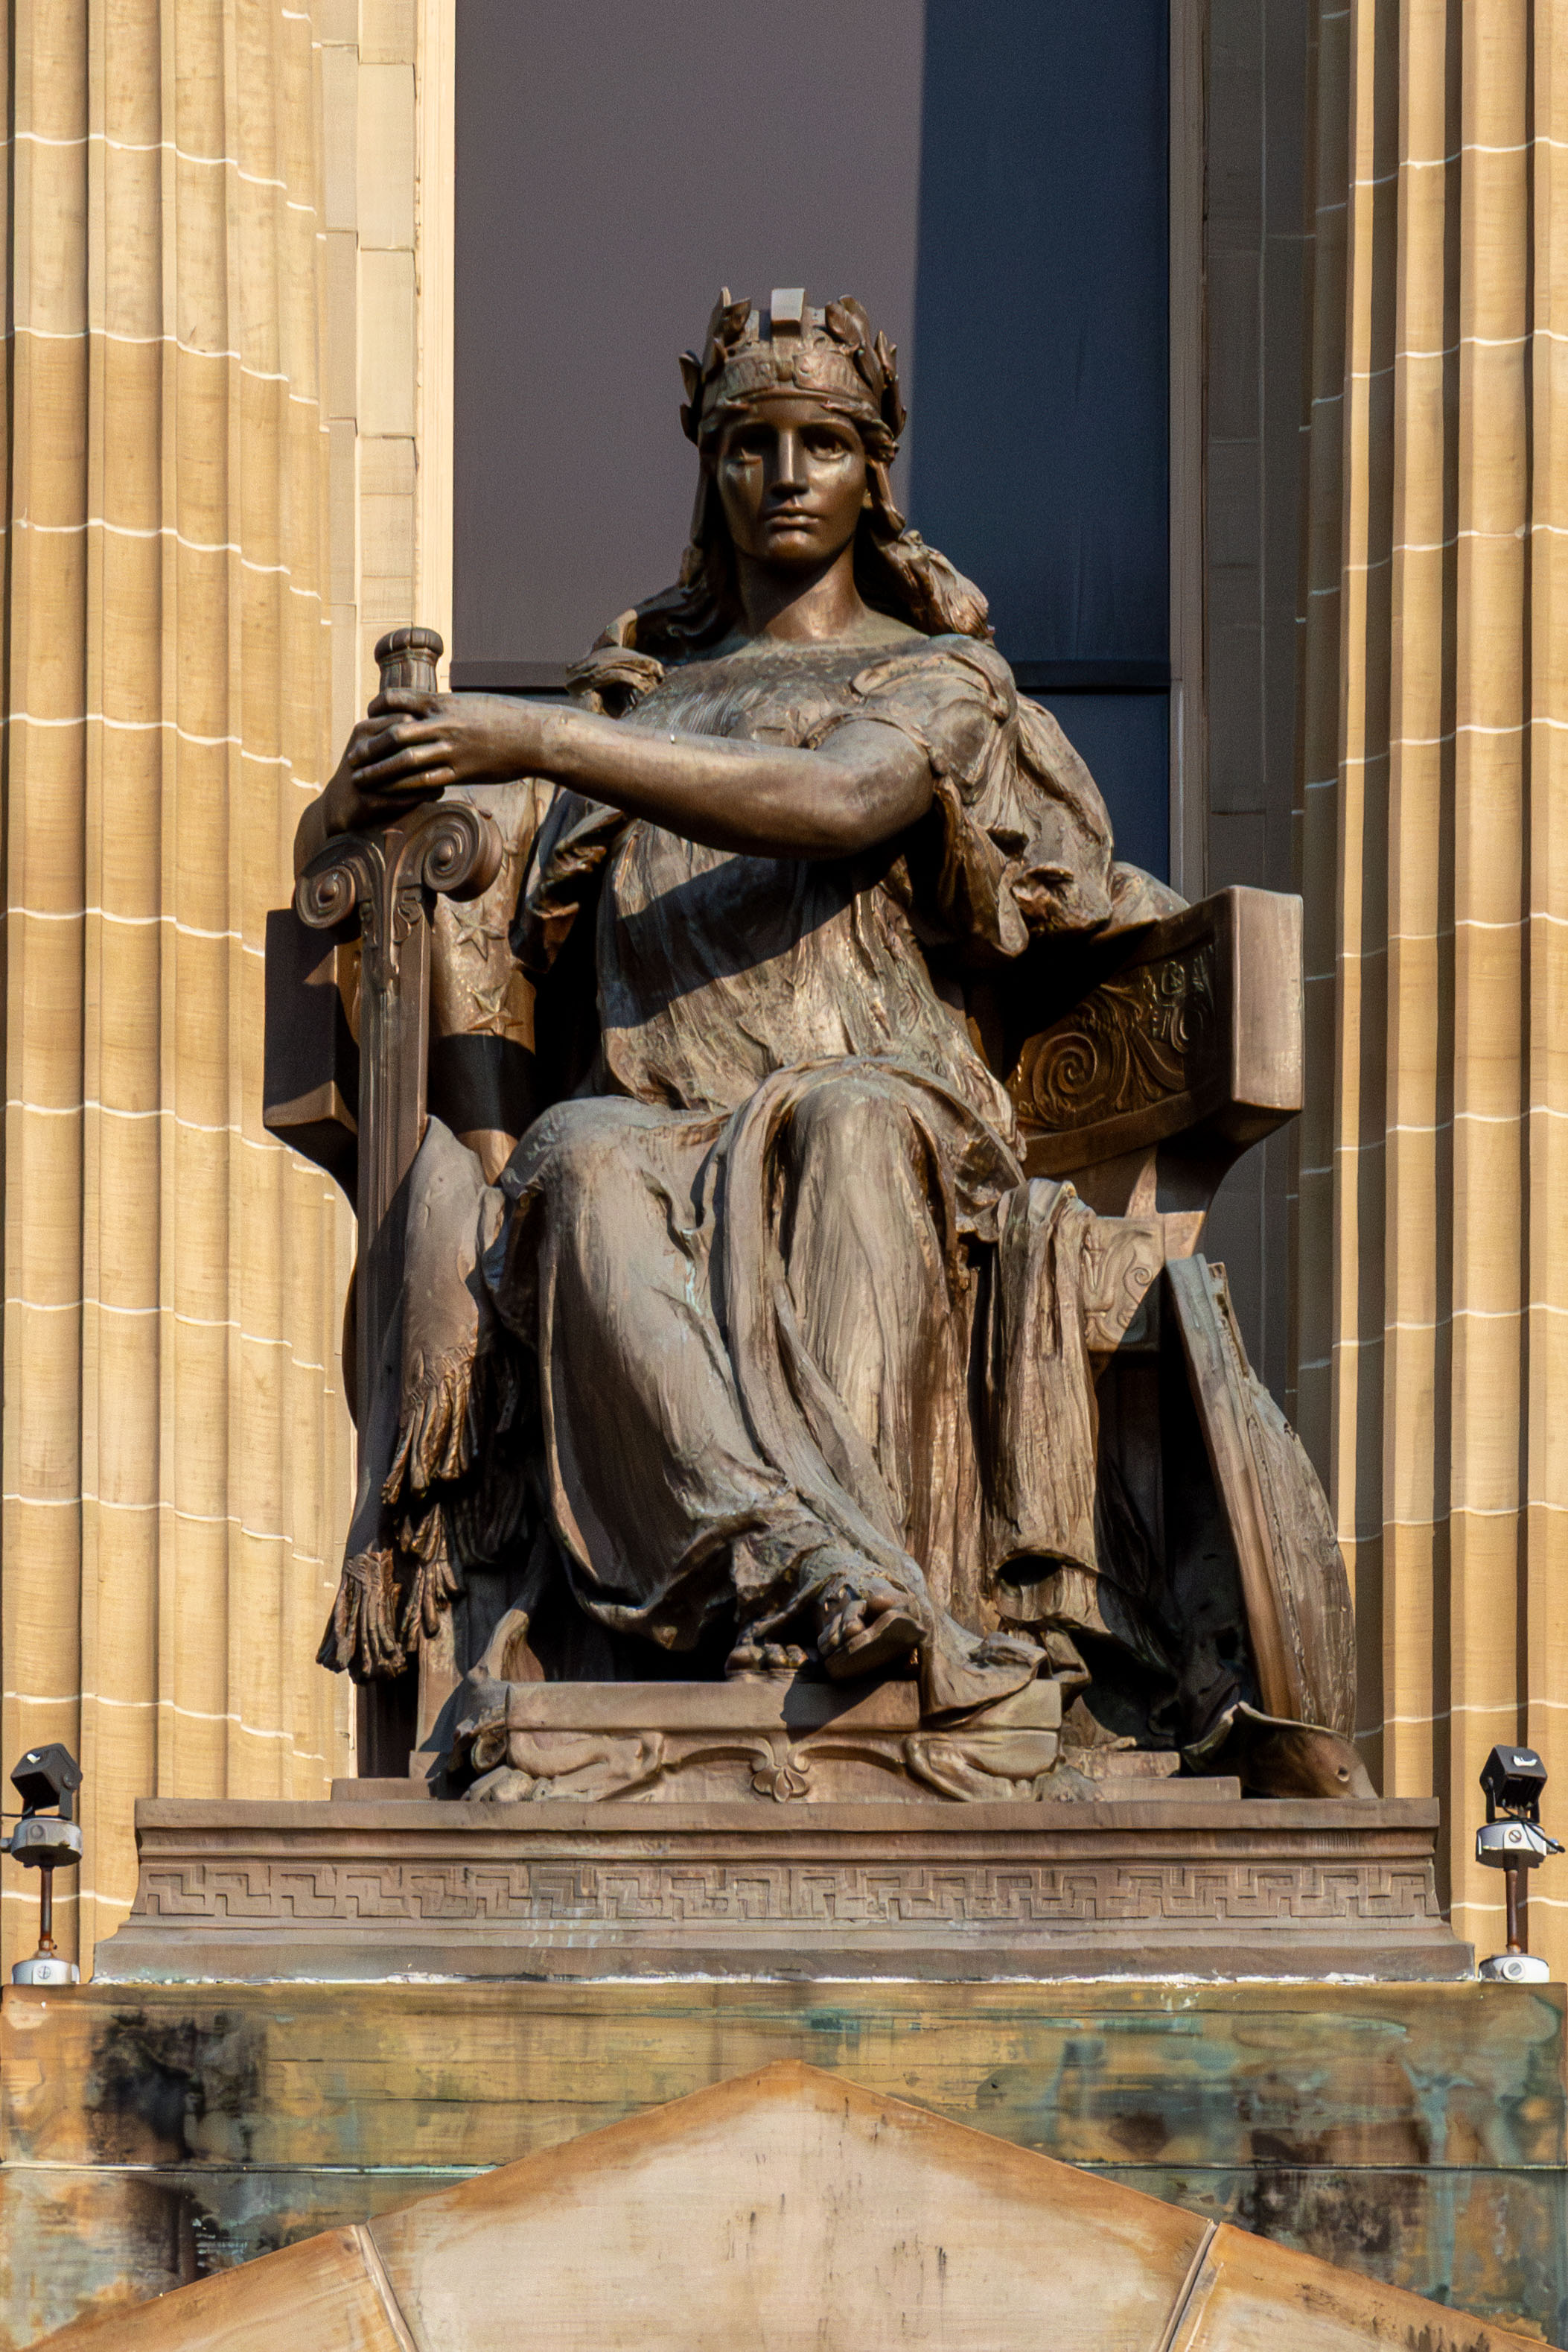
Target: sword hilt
(407, 657)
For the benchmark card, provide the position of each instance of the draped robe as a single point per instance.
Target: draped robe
(772, 1290)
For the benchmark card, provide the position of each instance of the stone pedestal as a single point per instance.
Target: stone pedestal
(758, 1830)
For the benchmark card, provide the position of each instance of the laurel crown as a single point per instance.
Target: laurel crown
(831, 354)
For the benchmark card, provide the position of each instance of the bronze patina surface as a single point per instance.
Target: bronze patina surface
(784, 1135)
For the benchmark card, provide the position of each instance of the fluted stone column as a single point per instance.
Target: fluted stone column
(1432, 1264)
(175, 1452)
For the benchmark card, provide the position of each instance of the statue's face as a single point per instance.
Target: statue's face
(792, 479)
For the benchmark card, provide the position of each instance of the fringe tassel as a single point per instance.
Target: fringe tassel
(360, 1638)
(435, 1584)
(436, 1437)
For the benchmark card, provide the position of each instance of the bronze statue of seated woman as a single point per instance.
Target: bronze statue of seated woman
(739, 1339)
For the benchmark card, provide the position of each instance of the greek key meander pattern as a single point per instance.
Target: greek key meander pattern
(543, 1895)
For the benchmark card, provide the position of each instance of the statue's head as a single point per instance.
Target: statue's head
(796, 414)
(827, 378)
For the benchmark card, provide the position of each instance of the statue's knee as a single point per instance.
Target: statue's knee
(851, 1124)
(575, 1147)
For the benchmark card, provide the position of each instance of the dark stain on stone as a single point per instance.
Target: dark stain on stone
(156, 2081)
(1361, 2221)
(1142, 2135)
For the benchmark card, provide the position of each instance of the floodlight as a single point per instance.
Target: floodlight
(1511, 1781)
(46, 1839)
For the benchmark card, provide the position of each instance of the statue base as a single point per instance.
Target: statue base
(788, 1831)
(772, 1738)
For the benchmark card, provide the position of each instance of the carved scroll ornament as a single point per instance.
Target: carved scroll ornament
(446, 848)
(1138, 1040)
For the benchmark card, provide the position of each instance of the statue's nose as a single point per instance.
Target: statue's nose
(788, 467)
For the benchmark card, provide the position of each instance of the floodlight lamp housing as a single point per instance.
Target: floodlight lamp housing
(1511, 1780)
(47, 1777)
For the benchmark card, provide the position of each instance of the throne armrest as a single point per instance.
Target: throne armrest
(1183, 1051)
(310, 1061)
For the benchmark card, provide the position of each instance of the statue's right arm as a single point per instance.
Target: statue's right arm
(760, 799)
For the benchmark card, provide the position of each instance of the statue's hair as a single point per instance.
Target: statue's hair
(895, 571)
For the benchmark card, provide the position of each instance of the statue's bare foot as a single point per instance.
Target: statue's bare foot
(751, 1656)
(866, 1623)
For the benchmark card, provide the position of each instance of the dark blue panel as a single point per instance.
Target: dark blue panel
(1041, 378)
(1125, 739)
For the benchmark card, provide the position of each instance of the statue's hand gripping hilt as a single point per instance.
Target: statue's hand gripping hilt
(389, 874)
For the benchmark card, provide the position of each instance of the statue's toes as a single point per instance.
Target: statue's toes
(885, 1634)
(753, 1657)
(843, 1625)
